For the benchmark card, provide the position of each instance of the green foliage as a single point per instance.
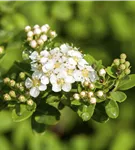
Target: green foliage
(104, 34)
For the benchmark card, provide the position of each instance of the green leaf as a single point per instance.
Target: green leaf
(47, 114)
(52, 98)
(100, 114)
(118, 96)
(75, 102)
(112, 109)
(111, 71)
(21, 112)
(79, 88)
(127, 83)
(86, 112)
(37, 127)
(91, 60)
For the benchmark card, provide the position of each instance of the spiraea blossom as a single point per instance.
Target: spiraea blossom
(60, 67)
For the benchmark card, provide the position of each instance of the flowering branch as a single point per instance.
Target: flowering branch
(53, 77)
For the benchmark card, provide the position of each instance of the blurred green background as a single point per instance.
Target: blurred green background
(103, 29)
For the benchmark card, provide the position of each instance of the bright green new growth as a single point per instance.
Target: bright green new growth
(97, 99)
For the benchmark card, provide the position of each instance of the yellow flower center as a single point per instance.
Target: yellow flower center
(60, 81)
(57, 65)
(69, 71)
(85, 73)
(36, 82)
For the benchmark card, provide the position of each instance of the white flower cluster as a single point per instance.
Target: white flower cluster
(59, 67)
(37, 35)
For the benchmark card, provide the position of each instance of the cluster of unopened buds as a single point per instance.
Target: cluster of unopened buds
(37, 35)
(122, 65)
(17, 91)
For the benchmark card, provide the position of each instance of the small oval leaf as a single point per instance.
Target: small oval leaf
(127, 83)
(111, 71)
(112, 109)
(21, 112)
(118, 96)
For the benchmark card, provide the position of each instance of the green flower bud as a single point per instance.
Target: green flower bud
(127, 71)
(123, 56)
(127, 64)
(122, 60)
(12, 94)
(22, 75)
(12, 83)
(30, 102)
(17, 85)
(6, 80)
(7, 97)
(22, 98)
(122, 67)
(116, 62)
(21, 88)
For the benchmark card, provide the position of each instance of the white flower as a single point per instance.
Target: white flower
(37, 31)
(60, 83)
(35, 84)
(30, 34)
(77, 74)
(34, 56)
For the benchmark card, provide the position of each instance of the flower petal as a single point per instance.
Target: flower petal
(56, 88)
(28, 83)
(44, 80)
(34, 92)
(66, 87)
(42, 87)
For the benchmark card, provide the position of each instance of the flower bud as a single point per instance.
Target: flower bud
(12, 94)
(30, 102)
(83, 94)
(12, 83)
(90, 94)
(29, 39)
(102, 72)
(76, 96)
(36, 26)
(122, 67)
(30, 34)
(127, 71)
(27, 28)
(53, 34)
(6, 80)
(21, 88)
(122, 60)
(40, 42)
(116, 62)
(91, 86)
(127, 64)
(22, 98)
(93, 100)
(123, 56)
(37, 31)
(22, 75)
(7, 97)
(1, 50)
(43, 37)
(33, 44)
(86, 83)
(100, 94)
(45, 28)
